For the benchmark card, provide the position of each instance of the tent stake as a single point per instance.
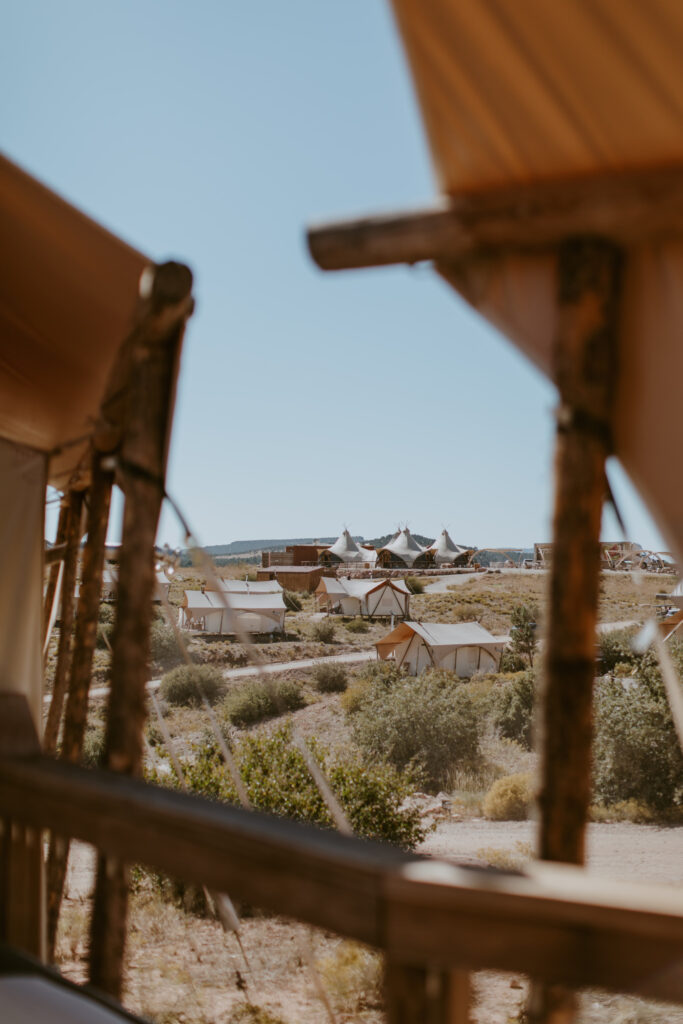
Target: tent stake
(589, 273)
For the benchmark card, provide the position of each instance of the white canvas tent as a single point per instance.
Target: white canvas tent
(346, 550)
(404, 550)
(445, 551)
(461, 647)
(248, 613)
(371, 598)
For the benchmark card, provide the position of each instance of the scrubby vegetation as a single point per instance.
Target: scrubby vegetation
(513, 708)
(357, 625)
(257, 699)
(323, 631)
(277, 780)
(163, 646)
(523, 640)
(332, 678)
(183, 686)
(292, 601)
(414, 584)
(425, 722)
(509, 798)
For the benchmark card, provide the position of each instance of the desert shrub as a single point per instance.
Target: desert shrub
(277, 780)
(93, 747)
(636, 754)
(352, 976)
(107, 613)
(414, 584)
(427, 721)
(330, 678)
(357, 625)
(387, 671)
(292, 601)
(614, 649)
(163, 646)
(104, 634)
(523, 631)
(511, 661)
(323, 631)
(257, 699)
(513, 708)
(181, 686)
(509, 798)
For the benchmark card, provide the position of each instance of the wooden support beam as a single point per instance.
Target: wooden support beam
(73, 542)
(154, 349)
(51, 589)
(75, 716)
(554, 922)
(627, 207)
(417, 995)
(589, 281)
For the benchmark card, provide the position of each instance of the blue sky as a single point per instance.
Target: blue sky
(214, 132)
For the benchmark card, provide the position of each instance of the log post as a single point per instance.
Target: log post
(585, 372)
(415, 995)
(73, 541)
(154, 351)
(76, 713)
(53, 577)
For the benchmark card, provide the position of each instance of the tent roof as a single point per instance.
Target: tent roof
(195, 600)
(360, 588)
(443, 635)
(503, 100)
(68, 289)
(404, 546)
(248, 586)
(445, 549)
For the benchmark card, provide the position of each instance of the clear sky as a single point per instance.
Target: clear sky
(214, 131)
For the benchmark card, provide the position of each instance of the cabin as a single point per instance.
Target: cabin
(228, 613)
(304, 578)
(369, 598)
(465, 648)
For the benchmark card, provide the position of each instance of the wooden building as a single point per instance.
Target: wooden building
(293, 577)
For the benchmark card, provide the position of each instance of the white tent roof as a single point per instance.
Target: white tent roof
(195, 600)
(361, 588)
(248, 586)
(346, 549)
(445, 550)
(404, 546)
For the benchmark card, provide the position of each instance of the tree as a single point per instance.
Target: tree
(523, 631)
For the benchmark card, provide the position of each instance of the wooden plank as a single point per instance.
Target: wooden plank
(53, 577)
(73, 540)
(626, 207)
(155, 346)
(554, 922)
(418, 995)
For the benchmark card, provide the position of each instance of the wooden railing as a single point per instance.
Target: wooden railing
(430, 918)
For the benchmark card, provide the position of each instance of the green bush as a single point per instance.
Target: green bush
(93, 747)
(330, 678)
(107, 613)
(509, 798)
(277, 780)
(357, 625)
(323, 631)
(414, 584)
(181, 686)
(257, 699)
(292, 601)
(510, 661)
(636, 753)
(427, 721)
(614, 649)
(163, 646)
(513, 708)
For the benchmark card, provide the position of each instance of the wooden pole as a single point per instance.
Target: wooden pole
(81, 670)
(414, 995)
(51, 589)
(73, 540)
(155, 351)
(585, 373)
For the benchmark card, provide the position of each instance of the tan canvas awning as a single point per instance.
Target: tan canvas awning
(67, 293)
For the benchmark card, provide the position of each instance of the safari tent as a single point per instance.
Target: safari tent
(370, 598)
(403, 551)
(232, 612)
(446, 552)
(244, 586)
(461, 647)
